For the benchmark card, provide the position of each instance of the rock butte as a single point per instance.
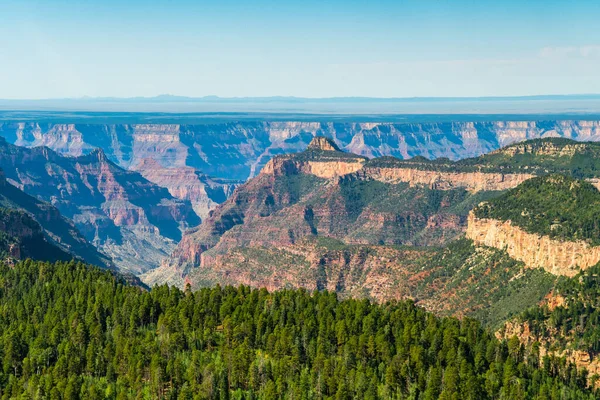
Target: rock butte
(472, 181)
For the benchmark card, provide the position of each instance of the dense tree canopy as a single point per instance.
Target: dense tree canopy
(574, 323)
(555, 205)
(69, 331)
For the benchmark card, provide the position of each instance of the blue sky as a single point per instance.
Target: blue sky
(53, 49)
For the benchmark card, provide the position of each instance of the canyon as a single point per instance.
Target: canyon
(186, 183)
(238, 150)
(326, 193)
(361, 183)
(36, 229)
(365, 210)
(204, 163)
(133, 221)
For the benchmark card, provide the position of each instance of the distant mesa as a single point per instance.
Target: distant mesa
(323, 143)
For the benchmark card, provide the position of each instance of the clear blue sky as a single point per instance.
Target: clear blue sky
(52, 48)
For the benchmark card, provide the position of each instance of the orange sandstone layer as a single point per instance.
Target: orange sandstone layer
(536, 251)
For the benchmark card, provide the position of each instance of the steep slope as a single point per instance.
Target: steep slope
(130, 219)
(550, 222)
(566, 324)
(35, 229)
(461, 279)
(22, 237)
(467, 279)
(238, 150)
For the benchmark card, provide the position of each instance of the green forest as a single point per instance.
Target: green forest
(536, 156)
(555, 205)
(70, 331)
(576, 320)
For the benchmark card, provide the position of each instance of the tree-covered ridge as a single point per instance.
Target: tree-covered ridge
(572, 320)
(22, 237)
(555, 205)
(537, 156)
(42, 232)
(312, 154)
(68, 331)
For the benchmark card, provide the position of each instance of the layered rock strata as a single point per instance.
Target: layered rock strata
(238, 150)
(134, 221)
(187, 183)
(326, 193)
(40, 231)
(536, 251)
(472, 181)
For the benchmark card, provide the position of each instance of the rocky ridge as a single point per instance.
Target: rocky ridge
(130, 219)
(37, 230)
(320, 160)
(22, 237)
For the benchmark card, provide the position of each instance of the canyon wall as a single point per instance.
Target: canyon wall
(128, 218)
(187, 183)
(439, 180)
(203, 163)
(238, 150)
(536, 251)
(471, 181)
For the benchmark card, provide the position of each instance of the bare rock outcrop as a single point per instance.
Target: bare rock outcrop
(472, 181)
(322, 158)
(187, 183)
(523, 331)
(536, 251)
(322, 143)
(326, 169)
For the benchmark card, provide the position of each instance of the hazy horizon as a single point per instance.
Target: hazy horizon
(278, 106)
(210, 97)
